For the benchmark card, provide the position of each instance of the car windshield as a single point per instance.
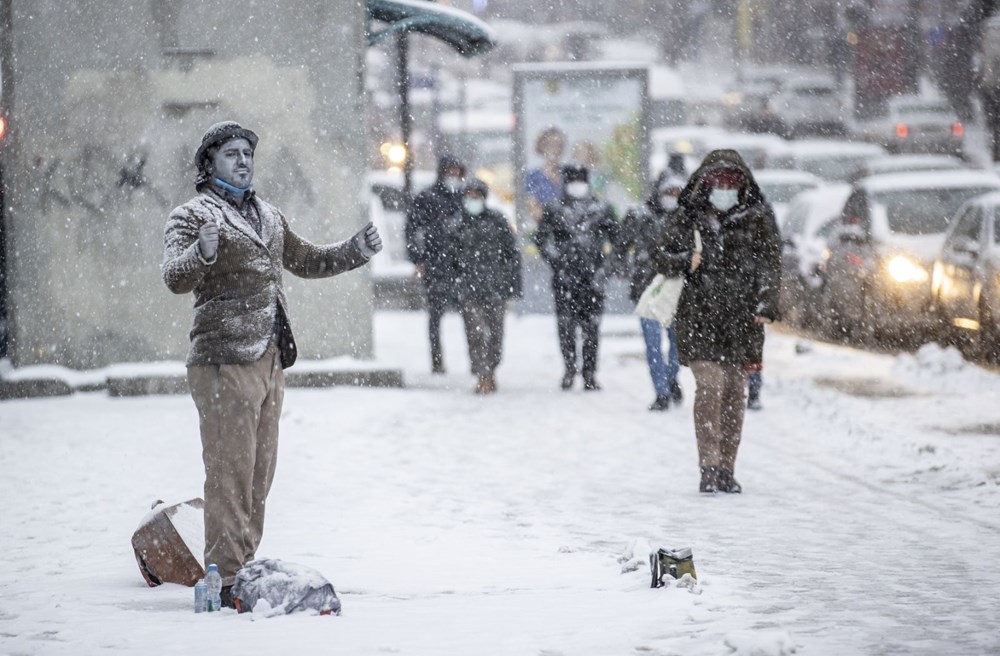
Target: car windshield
(783, 192)
(832, 167)
(923, 211)
(924, 109)
(814, 92)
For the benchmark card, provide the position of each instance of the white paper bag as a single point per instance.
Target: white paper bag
(659, 299)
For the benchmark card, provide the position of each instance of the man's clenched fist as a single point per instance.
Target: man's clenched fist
(368, 241)
(208, 239)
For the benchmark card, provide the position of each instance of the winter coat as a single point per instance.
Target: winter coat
(238, 295)
(642, 228)
(430, 225)
(571, 238)
(739, 274)
(489, 261)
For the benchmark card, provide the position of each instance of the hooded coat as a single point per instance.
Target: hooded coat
(571, 237)
(642, 227)
(740, 270)
(431, 224)
(489, 262)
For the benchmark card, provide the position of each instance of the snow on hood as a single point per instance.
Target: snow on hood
(930, 180)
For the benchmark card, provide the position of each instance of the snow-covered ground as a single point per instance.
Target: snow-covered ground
(453, 524)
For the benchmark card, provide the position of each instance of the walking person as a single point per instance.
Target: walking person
(730, 292)
(641, 229)
(755, 382)
(228, 247)
(489, 275)
(571, 238)
(429, 233)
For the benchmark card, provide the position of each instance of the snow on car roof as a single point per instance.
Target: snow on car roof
(916, 159)
(735, 140)
(991, 199)
(823, 203)
(930, 179)
(772, 176)
(823, 147)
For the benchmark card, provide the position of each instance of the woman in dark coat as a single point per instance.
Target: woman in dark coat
(730, 292)
(488, 275)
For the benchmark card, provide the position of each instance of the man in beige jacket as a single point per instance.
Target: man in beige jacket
(229, 247)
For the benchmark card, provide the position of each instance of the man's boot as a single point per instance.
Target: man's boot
(590, 382)
(661, 403)
(676, 394)
(728, 484)
(567, 379)
(709, 480)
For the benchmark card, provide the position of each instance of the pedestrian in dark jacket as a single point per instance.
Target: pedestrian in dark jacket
(642, 228)
(489, 274)
(228, 247)
(730, 292)
(429, 244)
(571, 237)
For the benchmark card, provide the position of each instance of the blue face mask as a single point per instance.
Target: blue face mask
(724, 199)
(235, 191)
(474, 206)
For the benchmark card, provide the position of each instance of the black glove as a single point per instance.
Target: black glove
(368, 241)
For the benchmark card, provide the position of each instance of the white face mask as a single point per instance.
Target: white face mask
(474, 206)
(577, 189)
(724, 199)
(452, 183)
(668, 202)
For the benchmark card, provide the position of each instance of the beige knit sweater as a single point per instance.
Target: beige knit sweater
(237, 294)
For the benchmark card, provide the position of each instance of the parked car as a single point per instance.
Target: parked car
(878, 276)
(757, 150)
(911, 162)
(965, 281)
(809, 105)
(831, 160)
(746, 104)
(688, 140)
(917, 125)
(811, 217)
(780, 186)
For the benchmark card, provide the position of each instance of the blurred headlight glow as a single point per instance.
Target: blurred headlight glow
(395, 153)
(905, 269)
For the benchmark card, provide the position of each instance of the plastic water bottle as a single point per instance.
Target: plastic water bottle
(213, 581)
(200, 596)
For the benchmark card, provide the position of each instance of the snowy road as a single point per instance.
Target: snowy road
(452, 524)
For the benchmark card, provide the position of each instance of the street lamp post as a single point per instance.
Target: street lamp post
(405, 117)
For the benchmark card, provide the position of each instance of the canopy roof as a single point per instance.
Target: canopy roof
(468, 35)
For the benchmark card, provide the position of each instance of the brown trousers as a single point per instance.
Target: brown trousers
(719, 405)
(238, 409)
(484, 334)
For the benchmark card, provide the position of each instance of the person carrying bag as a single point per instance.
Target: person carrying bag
(660, 298)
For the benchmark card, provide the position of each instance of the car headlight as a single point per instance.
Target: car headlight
(904, 269)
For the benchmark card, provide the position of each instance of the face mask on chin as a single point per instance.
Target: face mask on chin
(452, 183)
(724, 199)
(577, 189)
(668, 202)
(474, 206)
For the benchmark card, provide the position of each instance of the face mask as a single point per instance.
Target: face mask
(724, 199)
(451, 183)
(474, 206)
(668, 202)
(577, 189)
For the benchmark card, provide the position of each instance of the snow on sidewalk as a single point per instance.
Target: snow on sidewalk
(452, 524)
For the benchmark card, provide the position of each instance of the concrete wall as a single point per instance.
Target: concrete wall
(107, 102)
